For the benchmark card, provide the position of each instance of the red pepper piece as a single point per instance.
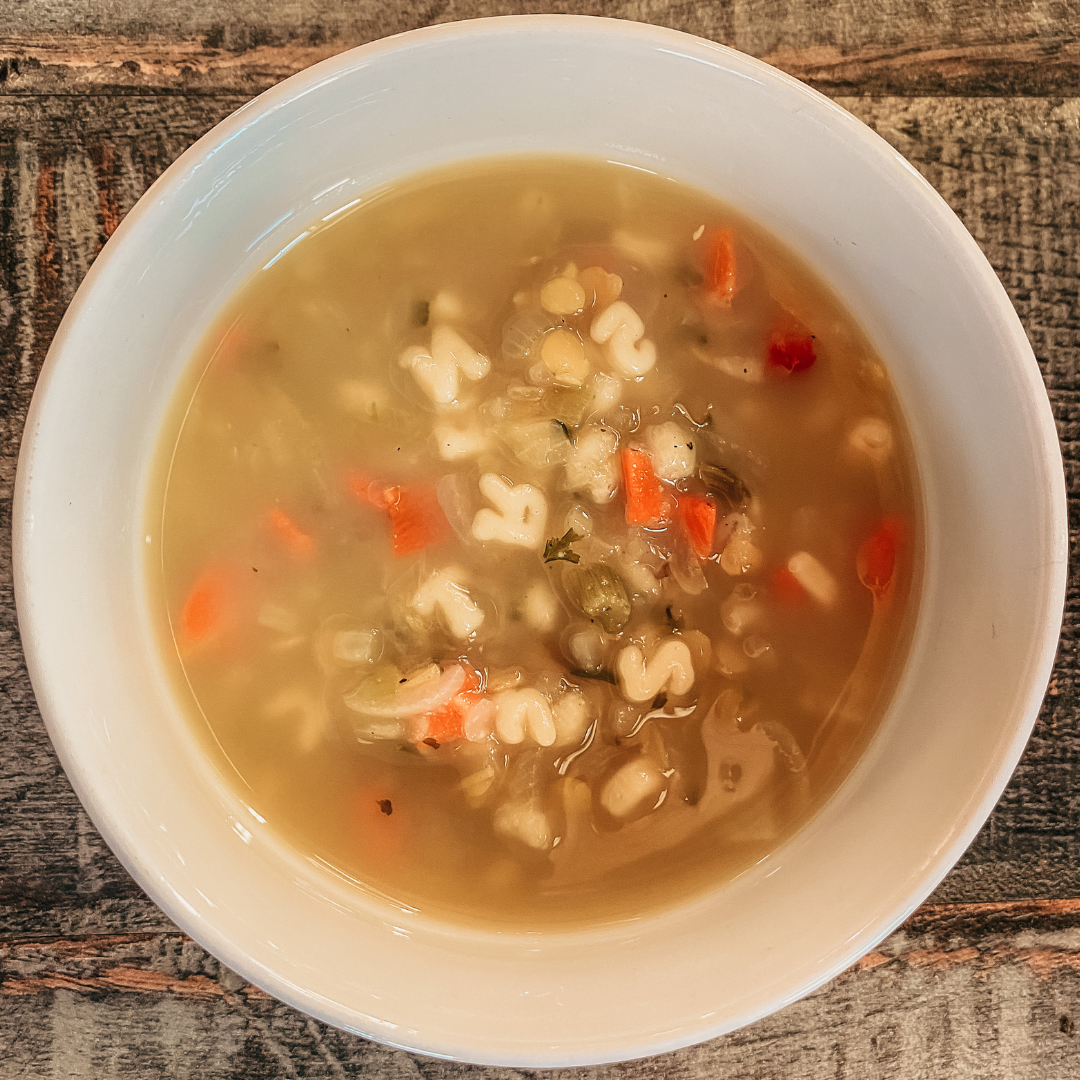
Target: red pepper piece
(646, 501)
(698, 514)
(876, 561)
(791, 351)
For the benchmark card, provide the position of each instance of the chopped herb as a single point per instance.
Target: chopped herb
(386, 806)
(559, 547)
(565, 430)
(432, 743)
(421, 313)
(726, 485)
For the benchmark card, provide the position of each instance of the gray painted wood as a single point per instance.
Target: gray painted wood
(94, 981)
(961, 991)
(897, 46)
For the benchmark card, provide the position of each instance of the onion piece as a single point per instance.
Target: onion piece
(411, 698)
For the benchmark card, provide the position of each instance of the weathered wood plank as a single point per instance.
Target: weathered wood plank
(70, 167)
(900, 47)
(959, 991)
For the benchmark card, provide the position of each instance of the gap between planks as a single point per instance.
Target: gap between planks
(1040, 936)
(72, 63)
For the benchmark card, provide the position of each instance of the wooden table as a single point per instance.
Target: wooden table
(96, 99)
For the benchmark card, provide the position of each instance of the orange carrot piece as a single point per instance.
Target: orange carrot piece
(204, 610)
(296, 541)
(447, 724)
(416, 520)
(721, 280)
(646, 501)
(787, 588)
(876, 560)
(698, 514)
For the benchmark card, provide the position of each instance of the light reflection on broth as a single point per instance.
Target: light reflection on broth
(538, 542)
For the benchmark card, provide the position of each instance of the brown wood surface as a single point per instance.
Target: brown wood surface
(899, 46)
(96, 98)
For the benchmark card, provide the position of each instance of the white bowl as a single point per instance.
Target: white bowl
(995, 534)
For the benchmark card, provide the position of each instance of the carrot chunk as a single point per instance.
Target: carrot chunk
(296, 541)
(447, 724)
(721, 279)
(698, 514)
(646, 501)
(876, 560)
(787, 588)
(416, 521)
(204, 610)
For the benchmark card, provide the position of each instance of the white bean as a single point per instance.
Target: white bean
(814, 578)
(620, 330)
(637, 781)
(520, 515)
(521, 713)
(671, 668)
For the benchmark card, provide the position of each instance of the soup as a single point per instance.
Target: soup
(535, 542)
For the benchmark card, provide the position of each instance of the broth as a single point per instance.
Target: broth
(535, 542)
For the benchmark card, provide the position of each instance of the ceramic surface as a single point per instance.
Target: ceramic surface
(994, 504)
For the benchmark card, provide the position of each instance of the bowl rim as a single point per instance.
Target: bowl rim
(1047, 451)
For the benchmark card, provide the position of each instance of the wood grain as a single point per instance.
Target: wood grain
(97, 98)
(898, 47)
(1002, 979)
